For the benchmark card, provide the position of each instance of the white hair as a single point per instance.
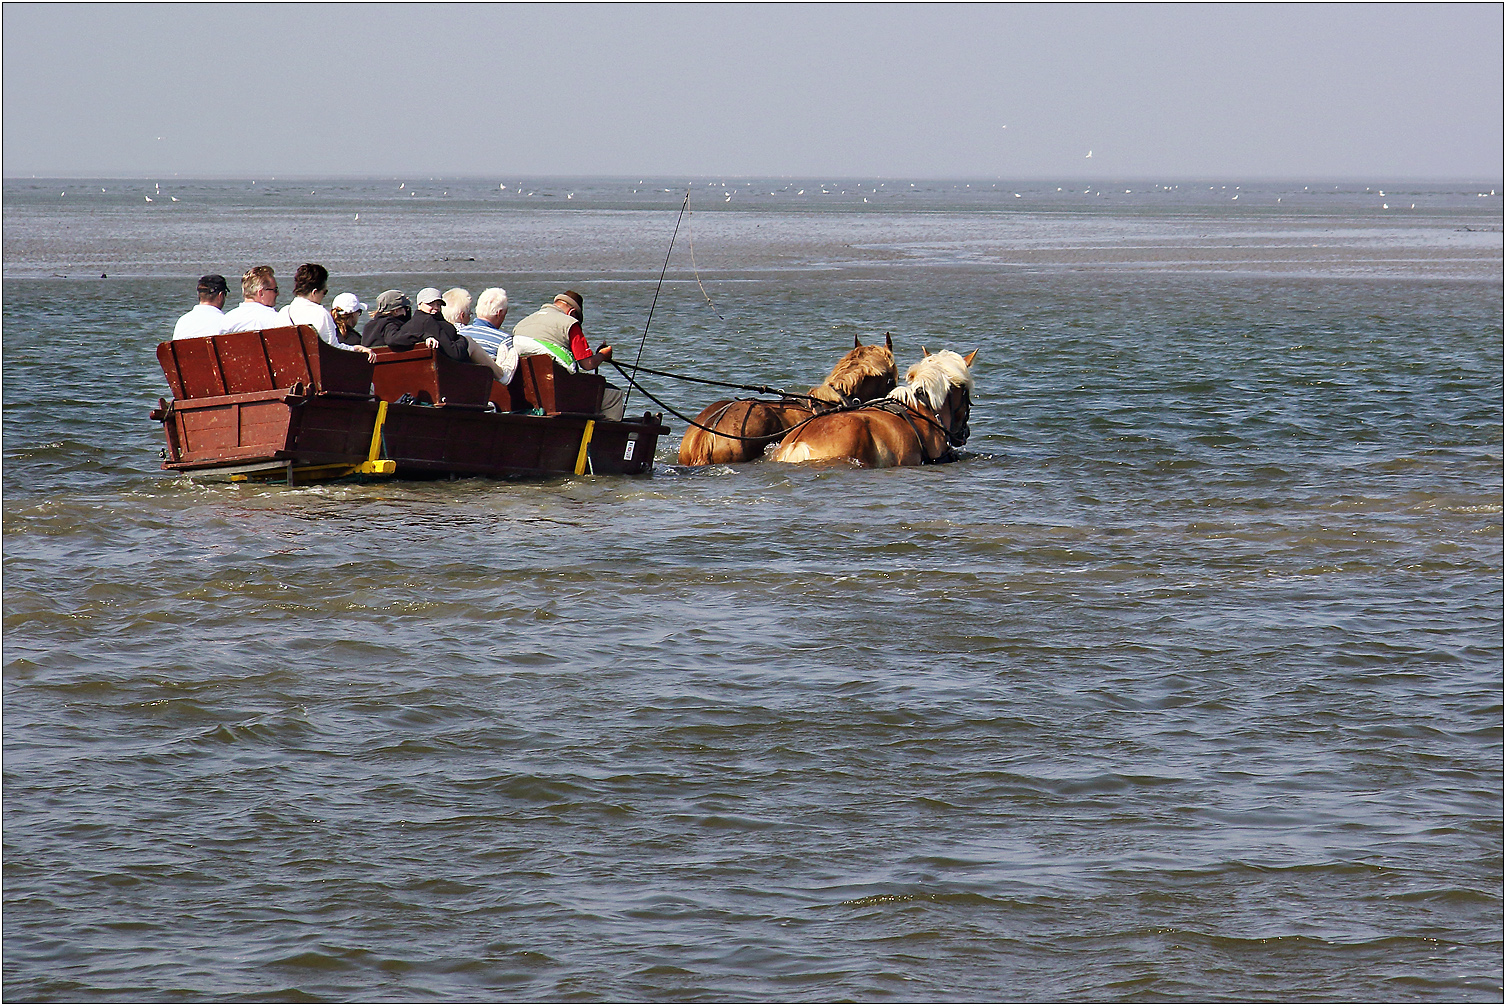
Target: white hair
(493, 300)
(457, 306)
(928, 382)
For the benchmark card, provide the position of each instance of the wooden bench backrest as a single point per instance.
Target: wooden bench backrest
(542, 383)
(238, 363)
(431, 377)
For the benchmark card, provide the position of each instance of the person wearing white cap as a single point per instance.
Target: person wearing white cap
(346, 310)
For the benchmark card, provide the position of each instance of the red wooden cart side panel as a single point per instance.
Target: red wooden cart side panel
(240, 429)
(197, 365)
(289, 353)
(167, 356)
(430, 440)
(244, 363)
(609, 447)
(335, 429)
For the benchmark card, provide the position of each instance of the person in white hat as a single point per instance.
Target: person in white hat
(346, 310)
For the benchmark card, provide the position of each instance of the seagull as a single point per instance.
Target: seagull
(173, 198)
(1090, 153)
(358, 218)
(148, 198)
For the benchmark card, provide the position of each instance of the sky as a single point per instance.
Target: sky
(1364, 92)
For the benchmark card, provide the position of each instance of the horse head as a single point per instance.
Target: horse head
(944, 383)
(865, 373)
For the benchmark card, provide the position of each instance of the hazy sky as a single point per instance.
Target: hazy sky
(1284, 91)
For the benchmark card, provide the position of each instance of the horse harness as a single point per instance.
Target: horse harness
(953, 440)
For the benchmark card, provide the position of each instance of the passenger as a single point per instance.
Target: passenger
(428, 325)
(393, 309)
(457, 307)
(208, 317)
(310, 285)
(259, 288)
(487, 333)
(557, 327)
(347, 314)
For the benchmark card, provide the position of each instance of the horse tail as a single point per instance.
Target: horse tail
(794, 453)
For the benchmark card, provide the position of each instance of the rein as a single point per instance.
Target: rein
(691, 422)
(953, 440)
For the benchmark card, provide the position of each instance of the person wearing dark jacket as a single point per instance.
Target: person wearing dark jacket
(428, 326)
(392, 313)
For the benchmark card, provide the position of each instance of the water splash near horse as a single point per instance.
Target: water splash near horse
(922, 422)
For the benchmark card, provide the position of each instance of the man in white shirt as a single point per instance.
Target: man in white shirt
(259, 288)
(310, 285)
(208, 317)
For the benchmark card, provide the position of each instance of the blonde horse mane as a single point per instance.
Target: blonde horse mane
(858, 365)
(929, 381)
(860, 362)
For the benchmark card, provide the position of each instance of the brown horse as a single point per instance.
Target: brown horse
(918, 424)
(746, 427)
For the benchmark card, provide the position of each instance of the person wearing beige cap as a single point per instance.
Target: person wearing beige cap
(393, 310)
(557, 327)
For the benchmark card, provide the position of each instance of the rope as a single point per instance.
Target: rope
(759, 388)
(691, 422)
(690, 239)
(655, 303)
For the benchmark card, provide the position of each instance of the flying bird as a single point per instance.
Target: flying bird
(1090, 153)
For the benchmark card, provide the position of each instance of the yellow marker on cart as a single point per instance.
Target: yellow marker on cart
(585, 441)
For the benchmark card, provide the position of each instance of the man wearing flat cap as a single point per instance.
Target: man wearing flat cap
(557, 327)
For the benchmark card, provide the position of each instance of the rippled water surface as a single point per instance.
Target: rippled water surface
(1184, 684)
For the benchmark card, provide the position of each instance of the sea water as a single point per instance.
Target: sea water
(1183, 684)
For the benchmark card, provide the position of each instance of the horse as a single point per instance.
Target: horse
(746, 427)
(923, 422)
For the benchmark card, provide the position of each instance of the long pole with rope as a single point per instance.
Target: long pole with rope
(631, 382)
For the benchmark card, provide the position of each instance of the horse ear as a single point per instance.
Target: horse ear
(857, 341)
(968, 359)
(888, 342)
(924, 351)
